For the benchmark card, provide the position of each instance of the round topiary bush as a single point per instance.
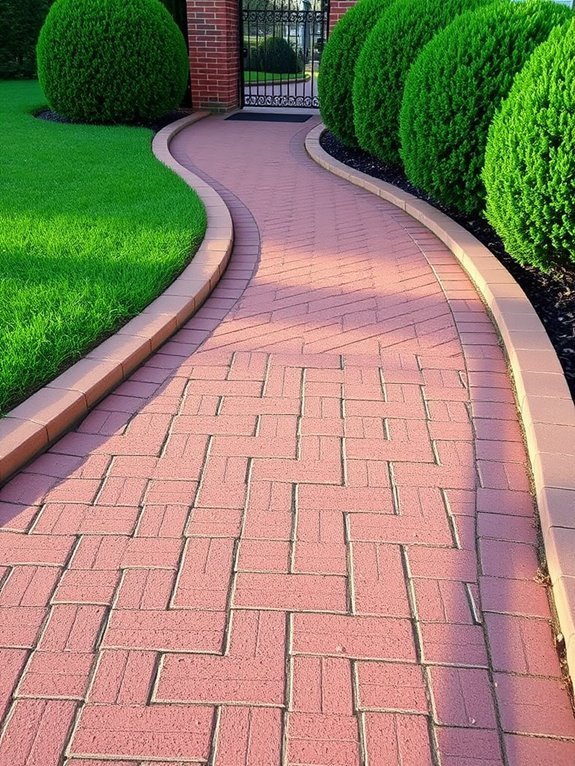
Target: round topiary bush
(275, 54)
(338, 60)
(454, 88)
(529, 169)
(111, 61)
(389, 51)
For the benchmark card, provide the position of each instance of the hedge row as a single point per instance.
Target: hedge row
(529, 168)
(382, 66)
(452, 90)
(339, 56)
(444, 129)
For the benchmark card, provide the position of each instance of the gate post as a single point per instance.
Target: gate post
(213, 34)
(336, 10)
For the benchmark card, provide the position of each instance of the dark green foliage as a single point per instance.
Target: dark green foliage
(529, 169)
(275, 54)
(252, 59)
(20, 24)
(389, 51)
(455, 87)
(179, 12)
(111, 61)
(338, 60)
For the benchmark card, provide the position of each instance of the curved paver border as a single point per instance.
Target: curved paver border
(543, 398)
(31, 427)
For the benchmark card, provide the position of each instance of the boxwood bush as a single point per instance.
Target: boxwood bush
(275, 54)
(111, 61)
(338, 60)
(529, 169)
(454, 88)
(389, 51)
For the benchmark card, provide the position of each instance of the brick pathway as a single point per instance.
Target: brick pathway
(262, 548)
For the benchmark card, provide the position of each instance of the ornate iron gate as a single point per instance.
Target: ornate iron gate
(281, 43)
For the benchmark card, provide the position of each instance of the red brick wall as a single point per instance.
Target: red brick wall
(336, 10)
(213, 32)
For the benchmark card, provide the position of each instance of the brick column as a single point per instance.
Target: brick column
(213, 33)
(336, 10)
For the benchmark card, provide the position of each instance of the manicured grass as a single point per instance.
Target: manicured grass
(262, 77)
(92, 228)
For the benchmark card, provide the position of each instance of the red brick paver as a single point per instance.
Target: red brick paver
(302, 533)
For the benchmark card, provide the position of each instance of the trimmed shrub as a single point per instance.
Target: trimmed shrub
(389, 51)
(338, 60)
(276, 55)
(111, 61)
(20, 24)
(455, 87)
(529, 169)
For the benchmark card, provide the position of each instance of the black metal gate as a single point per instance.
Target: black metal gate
(281, 43)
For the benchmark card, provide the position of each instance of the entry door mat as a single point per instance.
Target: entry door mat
(266, 117)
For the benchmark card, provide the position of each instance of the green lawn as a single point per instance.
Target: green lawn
(92, 228)
(251, 77)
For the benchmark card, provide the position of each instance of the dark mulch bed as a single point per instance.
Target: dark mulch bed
(155, 125)
(552, 295)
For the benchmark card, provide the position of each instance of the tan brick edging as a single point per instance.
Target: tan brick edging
(543, 399)
(31, 427)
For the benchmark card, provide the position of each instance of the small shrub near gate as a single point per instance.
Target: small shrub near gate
(530, 158)
(455, 87)
(389, 51)
(276, 55)
(338, 60)
(111, 61)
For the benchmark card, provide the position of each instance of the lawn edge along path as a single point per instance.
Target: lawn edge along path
(543, 400)
(31, 427)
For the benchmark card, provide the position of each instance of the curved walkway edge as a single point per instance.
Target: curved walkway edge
(31, 427)
(543, 398)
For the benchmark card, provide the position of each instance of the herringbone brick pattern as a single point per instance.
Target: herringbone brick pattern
(302, 533)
